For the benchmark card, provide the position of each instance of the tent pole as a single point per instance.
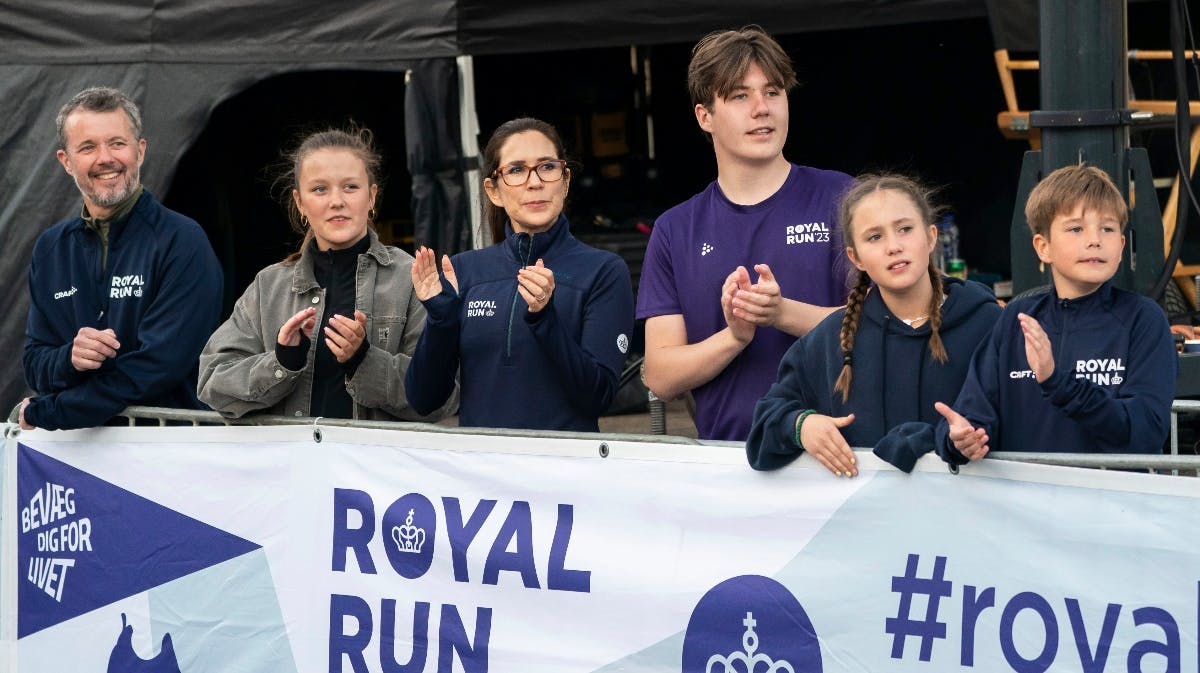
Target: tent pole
(469, 130)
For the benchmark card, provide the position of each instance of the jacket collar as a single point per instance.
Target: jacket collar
(960, 300)
(1101, 297)
(303, 278)
(1050, 306)
(117, 225)
(527, 248)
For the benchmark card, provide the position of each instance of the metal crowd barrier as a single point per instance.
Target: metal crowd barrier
(1174, 462)
(164, 416)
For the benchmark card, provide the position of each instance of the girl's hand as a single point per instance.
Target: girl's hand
(822, 439)
(345, 336)
(289, 333)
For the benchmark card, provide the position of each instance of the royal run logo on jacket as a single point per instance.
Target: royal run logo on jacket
(1101, 371)
(126, 286)
(481, 308)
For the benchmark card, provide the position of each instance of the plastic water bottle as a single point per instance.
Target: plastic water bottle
(948, 237)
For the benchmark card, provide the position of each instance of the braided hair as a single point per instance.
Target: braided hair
(921, 198)
(854, 304)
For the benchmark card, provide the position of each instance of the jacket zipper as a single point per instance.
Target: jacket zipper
(512, 309)
(106, 287)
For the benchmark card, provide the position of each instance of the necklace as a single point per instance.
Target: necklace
(910, 321)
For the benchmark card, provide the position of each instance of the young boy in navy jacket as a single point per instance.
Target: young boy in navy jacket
(1085, 367)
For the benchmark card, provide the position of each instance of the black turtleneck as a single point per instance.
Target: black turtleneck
(336, 271)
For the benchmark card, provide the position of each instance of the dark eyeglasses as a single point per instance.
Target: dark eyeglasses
(516, 175)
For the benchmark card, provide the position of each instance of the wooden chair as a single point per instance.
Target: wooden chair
(1014, 26)
(1014, 121)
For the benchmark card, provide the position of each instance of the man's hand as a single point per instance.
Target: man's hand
(735, 283)
(823, 440)
(92, 347)
(21, 416)
(1037, 347)
(970, 441)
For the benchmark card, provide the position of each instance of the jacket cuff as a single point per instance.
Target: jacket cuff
(349, 367)
(68, 376)
(905, 444)
(33, 413)
(1056, 387)
(443, 308)
(293, 358)
(534, 318)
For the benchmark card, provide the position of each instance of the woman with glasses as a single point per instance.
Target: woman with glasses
(537, 325)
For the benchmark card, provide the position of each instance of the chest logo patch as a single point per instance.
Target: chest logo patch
(481, 308)
(1101, 371)
(809, 232)
(126, 286)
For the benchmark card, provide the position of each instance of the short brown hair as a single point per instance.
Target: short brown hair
(98, 99)
(720, 61)
(1069, 186)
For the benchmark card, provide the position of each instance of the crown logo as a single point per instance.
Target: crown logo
(408, 538)
(749, 660)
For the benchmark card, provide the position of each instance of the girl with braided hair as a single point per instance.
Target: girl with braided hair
(868, 374)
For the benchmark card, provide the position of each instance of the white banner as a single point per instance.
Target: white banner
(155, 550)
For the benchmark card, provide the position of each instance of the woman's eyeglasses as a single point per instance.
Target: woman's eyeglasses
(516, 175)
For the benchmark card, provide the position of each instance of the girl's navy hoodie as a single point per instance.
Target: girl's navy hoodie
(896, 379)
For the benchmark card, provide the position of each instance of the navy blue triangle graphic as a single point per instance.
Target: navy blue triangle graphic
(83, 543)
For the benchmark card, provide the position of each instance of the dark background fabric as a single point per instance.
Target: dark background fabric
(180, 60)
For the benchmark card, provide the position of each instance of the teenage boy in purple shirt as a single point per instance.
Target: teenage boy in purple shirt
(733, 275)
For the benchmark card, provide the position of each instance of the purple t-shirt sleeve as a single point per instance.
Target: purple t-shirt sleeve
(656, 288)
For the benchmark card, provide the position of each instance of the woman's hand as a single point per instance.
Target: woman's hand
(289, 334)
(426, 281)
(344, 336)
(822, 439)
(536, 285)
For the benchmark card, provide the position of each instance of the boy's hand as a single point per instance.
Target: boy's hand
(737, 281)
(970, 441)
(823, 440)
(760, 303)
(1037, 347)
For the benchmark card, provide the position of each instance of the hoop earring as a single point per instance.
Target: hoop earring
(371, 214)
(304, 222)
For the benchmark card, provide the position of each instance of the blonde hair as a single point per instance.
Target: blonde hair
(922, 198)
(357, 140)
